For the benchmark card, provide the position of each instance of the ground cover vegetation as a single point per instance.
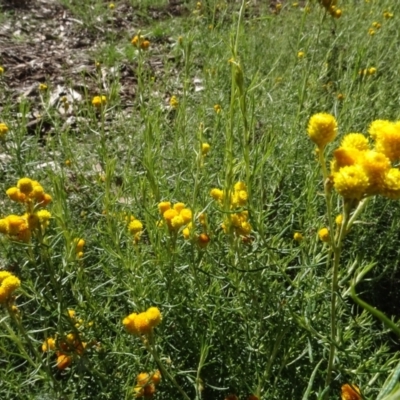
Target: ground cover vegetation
(199, 200)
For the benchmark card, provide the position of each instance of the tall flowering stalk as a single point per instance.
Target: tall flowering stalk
(360, 168)
(143, 325)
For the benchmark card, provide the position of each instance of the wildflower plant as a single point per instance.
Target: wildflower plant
(184, 183)
(360, 169)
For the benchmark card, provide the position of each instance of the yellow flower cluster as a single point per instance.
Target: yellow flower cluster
(29, 192)
(217, 108)
(367, 71)
(360, 170)
(298, 237)
(64, 348)
(237, 221)
(79, 244)
(203, 239)
(143, 323)
(146, 384)
(140, 42)
(8, 283)
(176, 216)
(135, 227)
(32, 195)
(99, 101)
(3, 130)
(174, 102)
(331, 7)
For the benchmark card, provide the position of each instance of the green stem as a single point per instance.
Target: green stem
(152, 350)
(337, 251)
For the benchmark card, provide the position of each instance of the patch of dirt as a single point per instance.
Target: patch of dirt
(41, 41)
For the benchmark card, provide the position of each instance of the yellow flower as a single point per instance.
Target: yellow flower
(25, 186)
(143, 379)
(156, 377)
(372, 71)
(129, 324)
(3, 130)
(135, 226)
(391, 184)
(375, 165)
(4, 275)
(387, 15)
(205, 148)
(179, 207)
(217, 194)
(322, 129)
(323, 234)
(42, 87)
(387, 140)
(80, 243)
(242, 197)
(99, 101)
(173, 102)
(240, 186)
(350, 392)
(351, 182)
(355, 141)
(37, 192)
(186, 215)
(145, 44)
(301, 54)
(169, 215)
(154, 316)
(138, 41)
(177, 222)
(217, 108)
(186, 232)
(15, 194)
(343, 157)
(378, 126)
(371, 32)
(298, 237)
(15, 223)
(45, 200)
(8, 283)
(339, 219)
(48, 344)
(43, 216)
(142, 324)
(376, 25)
(1, 70)
(164, 206)
(337, 13)
(111, 6)
(244, 229)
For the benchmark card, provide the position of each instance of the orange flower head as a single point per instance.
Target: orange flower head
(350, 392)
(63, 361)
